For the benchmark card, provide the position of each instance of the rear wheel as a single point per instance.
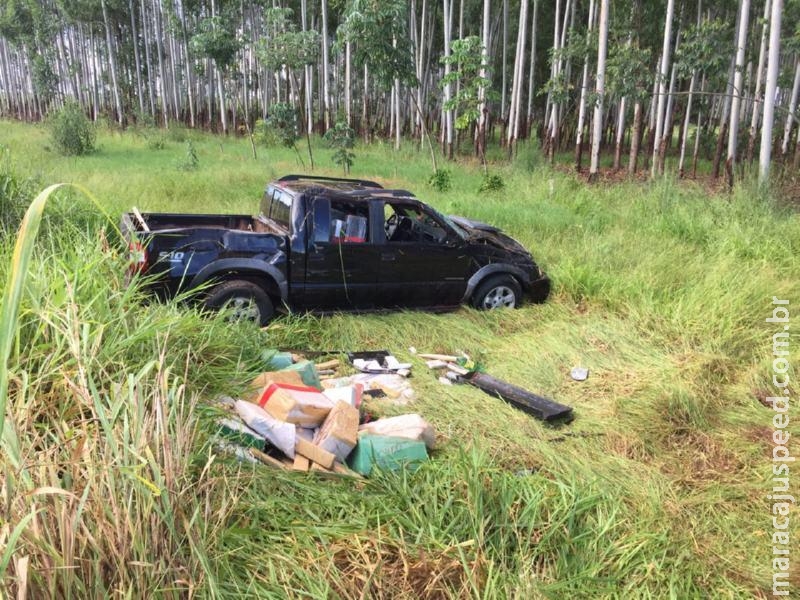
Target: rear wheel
(242, 301)
(500, 291)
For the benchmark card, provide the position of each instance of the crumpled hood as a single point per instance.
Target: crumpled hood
(483, 232)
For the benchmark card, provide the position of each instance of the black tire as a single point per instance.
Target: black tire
(498, 291)
(246, 301)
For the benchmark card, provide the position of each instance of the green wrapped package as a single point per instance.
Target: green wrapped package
(240, 434)
(386, 453)
(276, 360)
(308, 373)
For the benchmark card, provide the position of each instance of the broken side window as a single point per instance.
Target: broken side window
(410, 224)
(349, 222)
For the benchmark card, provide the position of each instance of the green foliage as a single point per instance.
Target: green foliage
(16, 192)
(705, 49)
(216, 38)
(73, 134)
(45, 80)
(342, 138)
(283, 121)
(190, 161)
(156, 141)
(491, 182)
(379, 30)
(177, 133)
(465, 62)
(282, 45)
(441, 180)
(628, 72)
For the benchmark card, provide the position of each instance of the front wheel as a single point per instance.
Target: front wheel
(501, 291)
(242, 301)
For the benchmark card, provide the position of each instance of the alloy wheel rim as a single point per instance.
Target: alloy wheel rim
(500, 297)
(243, 308)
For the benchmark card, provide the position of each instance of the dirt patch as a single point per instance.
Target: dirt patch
(371, 568)
(696, 459)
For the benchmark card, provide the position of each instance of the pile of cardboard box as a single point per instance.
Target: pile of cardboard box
(291, 419)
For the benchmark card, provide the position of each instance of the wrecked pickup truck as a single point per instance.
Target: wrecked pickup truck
(328, 244)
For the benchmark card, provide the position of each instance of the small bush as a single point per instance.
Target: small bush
(492, 183)
(16, 193)
(266, 135)
(342, 138)
(190, 162)
(441, 180)
(72, 132)
(177, 133)
(156, 141)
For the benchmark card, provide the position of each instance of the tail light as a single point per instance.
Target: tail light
(138, 258)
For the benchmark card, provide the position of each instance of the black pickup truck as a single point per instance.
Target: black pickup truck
(328, 244)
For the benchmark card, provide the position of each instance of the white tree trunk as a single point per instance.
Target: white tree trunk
(582, 101)
(112, 63)
(787, 131)
(686, 122)
(448, 113)
(600, 88)
(769, 93)
(531, 87)
(762, 53)
(662, 80)
(326, 99)
(483, 72)
(307, 74)
(519, 66)
(736, 101)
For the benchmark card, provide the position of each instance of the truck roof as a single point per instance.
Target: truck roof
(355, 189)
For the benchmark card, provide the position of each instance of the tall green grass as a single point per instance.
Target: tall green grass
(655, 490)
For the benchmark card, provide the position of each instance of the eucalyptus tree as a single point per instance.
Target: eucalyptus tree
(587, 44)
(757, 99)
(469, 71)
(284, 48)
(662, 76)
(378, 31)
(216, 39)
(733, 128)
(629, 76)
(765, 153)
(517, 82)
(597, 119)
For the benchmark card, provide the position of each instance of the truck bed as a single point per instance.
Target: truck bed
(162, 222)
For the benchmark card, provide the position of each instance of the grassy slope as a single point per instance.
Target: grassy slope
(657, 488)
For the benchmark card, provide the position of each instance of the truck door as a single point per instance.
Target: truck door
(341, 259)
(423, 263)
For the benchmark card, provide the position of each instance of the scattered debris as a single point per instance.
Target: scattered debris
(339, 432)
(292, 420)
(378, 362)
(436, 364)
(411, 427)
(579, 373)
(300, 405)
(280, 434)
(462, 369)
(443, 357)
(390, 385)
(386, 453)
(535, 405)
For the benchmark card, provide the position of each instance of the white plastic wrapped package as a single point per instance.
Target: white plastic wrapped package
(411, 427)
(280, 434)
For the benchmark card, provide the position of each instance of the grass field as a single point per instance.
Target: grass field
(657, 489)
